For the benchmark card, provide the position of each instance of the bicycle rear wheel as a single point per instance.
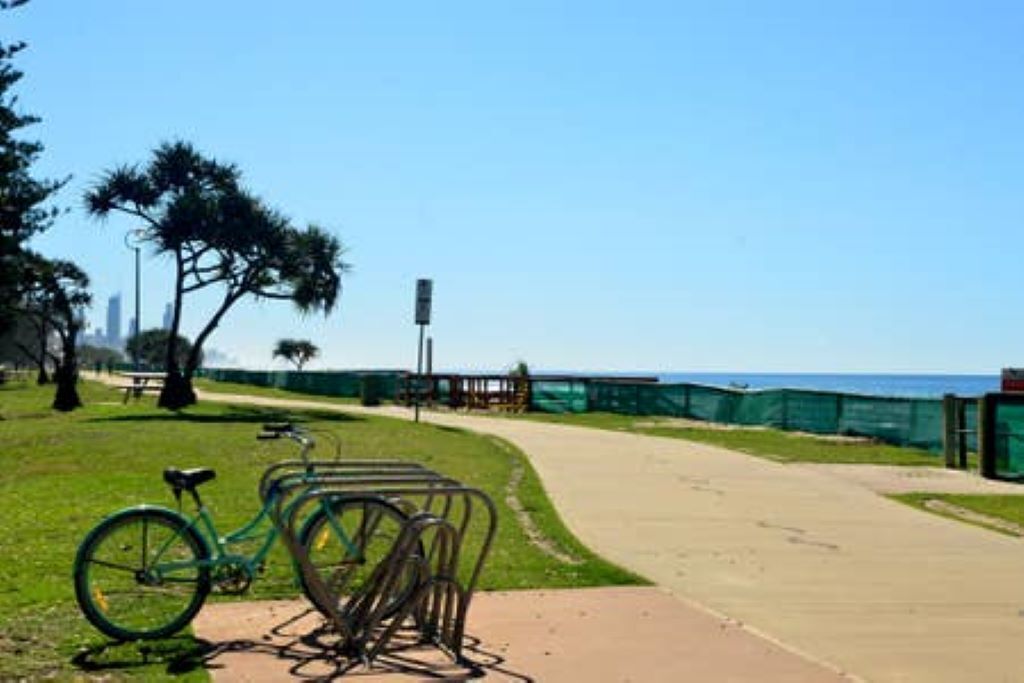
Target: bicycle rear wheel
(139, 575)
(371, 525)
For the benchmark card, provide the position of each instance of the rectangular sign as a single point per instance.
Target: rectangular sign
(424, 294)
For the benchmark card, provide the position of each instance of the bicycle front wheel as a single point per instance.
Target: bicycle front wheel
(141, 575)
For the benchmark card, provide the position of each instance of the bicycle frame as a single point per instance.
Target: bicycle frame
(220, 556)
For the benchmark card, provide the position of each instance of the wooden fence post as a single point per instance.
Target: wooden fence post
(961, 433)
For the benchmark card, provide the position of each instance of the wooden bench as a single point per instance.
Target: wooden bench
(9, 375)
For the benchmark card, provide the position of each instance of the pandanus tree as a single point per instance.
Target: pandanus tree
(298, 352)
(52, 295)
(218, 235)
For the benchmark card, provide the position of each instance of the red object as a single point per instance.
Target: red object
(1013, 379)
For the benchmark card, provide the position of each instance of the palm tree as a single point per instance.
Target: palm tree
(194, 209)
(296, 351)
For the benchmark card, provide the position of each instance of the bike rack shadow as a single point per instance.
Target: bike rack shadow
(312, 654)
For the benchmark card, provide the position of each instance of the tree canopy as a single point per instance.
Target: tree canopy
(151, 347)
(296, 351)
(91, 355)
(24, 199)
(194, 209)
(519, 369)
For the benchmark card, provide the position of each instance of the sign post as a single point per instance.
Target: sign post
(424, 295)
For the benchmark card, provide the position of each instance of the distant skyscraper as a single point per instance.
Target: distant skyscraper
(168, 314)
(114, 320)
(133, 329)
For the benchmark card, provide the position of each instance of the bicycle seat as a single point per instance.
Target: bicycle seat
(187, 480)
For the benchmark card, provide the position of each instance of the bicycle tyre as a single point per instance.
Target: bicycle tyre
(119, 597)
(349, 575)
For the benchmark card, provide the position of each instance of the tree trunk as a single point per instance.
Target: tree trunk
(197, 348)
(177, 392)
(67, 398)
(42, 377)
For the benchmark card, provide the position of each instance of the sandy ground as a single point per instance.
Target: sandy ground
(598, 634)
(810, 555)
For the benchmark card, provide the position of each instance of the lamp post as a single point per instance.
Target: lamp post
(133, 240)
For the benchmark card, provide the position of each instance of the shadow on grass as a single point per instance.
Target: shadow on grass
(450, 430)
(235, 415)
(180, 655)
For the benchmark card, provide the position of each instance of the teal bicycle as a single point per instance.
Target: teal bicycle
(144, 572)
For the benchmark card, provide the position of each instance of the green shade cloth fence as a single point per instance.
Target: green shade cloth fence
(1009, 439)
(346, 384)
(902, 421)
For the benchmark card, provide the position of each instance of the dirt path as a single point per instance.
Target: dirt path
(818, 562)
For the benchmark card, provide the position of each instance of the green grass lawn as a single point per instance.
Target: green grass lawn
(773, 444)
(61, 473)
(1009, 508)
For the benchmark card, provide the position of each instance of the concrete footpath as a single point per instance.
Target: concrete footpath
(815, 561)
(591, 634)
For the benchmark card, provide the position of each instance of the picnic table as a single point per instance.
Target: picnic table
(11, 374)
(141, 382)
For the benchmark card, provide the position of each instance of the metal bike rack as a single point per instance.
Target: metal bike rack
(432, 545)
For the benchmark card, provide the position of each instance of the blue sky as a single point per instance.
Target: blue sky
(758, 186)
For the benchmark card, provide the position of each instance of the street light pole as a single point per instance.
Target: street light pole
(132, 240)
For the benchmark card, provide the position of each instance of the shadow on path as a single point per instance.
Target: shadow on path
(300, 652)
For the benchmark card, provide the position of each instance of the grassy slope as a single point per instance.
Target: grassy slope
(1005, 507)
(61, 473)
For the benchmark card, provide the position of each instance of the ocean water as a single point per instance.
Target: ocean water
(930, 386)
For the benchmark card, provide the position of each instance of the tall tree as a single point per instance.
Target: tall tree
(194, 209)
(24, 200)
(298, 352)
(42, 293)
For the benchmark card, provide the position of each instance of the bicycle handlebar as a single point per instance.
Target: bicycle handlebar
(289, 430)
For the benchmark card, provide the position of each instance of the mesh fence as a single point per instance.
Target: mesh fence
(568, 396)
(1009, 440)
(903, 421)
(345, 384)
